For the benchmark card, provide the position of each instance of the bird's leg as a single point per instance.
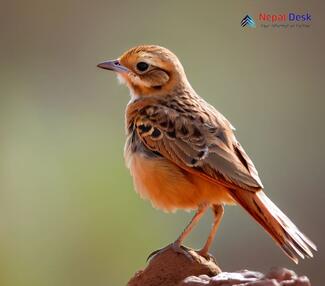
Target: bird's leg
(198, 215)
(177, 244)
(218, 211)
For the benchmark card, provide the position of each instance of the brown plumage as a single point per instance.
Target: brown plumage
(183, 154)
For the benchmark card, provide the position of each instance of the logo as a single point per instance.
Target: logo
(278, 20)
(284, 17)
(248, 21)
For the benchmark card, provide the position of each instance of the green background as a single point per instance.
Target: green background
(68, 212)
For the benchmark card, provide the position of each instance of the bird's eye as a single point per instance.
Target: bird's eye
(142, 66)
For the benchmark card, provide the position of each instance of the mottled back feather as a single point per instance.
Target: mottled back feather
(195, 136)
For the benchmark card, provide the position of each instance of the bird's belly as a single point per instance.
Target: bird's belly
(168, 187)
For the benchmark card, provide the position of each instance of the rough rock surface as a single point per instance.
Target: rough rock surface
(171, 268)
(276, 277)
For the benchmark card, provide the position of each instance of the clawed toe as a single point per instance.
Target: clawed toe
(182, 250)
(176, 247)
(205, 254)
(156, 252)
(202, 253)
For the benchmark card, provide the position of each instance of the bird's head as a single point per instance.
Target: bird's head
(148, 70)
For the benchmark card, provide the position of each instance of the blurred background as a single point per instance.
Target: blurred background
(68, 212)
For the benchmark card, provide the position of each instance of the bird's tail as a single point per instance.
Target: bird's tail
(292, 241)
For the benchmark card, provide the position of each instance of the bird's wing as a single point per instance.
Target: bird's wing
(208, 150)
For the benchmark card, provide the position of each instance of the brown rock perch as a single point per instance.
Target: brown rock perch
(171, 268)
(276, 277)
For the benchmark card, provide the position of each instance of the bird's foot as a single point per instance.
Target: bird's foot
(205, 254)
(176, 247)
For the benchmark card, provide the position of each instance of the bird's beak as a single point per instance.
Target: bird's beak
(113, 65)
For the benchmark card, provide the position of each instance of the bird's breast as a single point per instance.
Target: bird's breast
(166, 185)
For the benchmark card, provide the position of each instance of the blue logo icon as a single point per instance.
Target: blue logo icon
(248, 21)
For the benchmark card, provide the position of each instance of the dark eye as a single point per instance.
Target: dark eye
(142, 66)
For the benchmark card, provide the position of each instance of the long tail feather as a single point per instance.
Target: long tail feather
(292, 241)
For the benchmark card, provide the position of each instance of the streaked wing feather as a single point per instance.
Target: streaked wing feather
(197, 147)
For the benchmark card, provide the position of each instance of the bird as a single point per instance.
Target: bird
(183, 154)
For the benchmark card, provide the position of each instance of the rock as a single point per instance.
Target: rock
(169, 268)
(276, 277)
(188, 268)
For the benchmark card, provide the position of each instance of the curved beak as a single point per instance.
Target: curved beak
(113, 65)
